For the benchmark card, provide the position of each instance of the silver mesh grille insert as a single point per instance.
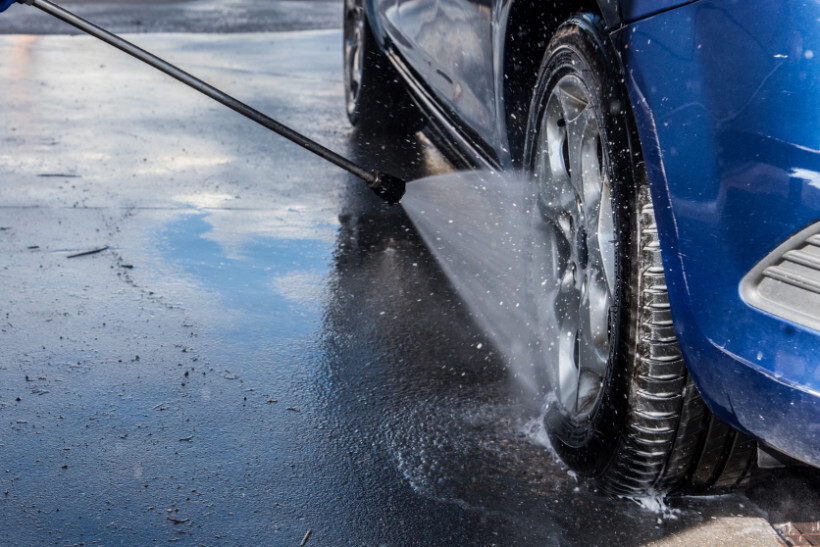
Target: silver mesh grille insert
(787, 282)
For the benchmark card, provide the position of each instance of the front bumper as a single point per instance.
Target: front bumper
(726, 96)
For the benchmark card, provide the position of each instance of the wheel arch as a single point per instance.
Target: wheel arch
(529, 27)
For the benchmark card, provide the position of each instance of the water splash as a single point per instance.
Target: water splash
(536, 432)
(656, 504)
(481, 228)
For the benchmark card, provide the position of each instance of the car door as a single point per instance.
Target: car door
(449, 44)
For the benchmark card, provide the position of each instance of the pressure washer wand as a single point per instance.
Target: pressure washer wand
(386, 186)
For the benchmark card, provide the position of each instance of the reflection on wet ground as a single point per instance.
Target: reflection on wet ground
(182, 16)
(265, 349)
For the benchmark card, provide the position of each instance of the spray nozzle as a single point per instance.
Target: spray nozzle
(387, 187)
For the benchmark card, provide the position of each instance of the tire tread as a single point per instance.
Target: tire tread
(673, 442)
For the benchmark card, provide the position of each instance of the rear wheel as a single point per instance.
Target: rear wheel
(375, 98)
(623, 407)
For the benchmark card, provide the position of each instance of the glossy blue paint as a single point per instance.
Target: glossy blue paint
(725, 95)
(632, 10)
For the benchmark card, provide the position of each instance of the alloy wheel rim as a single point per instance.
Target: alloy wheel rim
(574, 200)
(353, 51)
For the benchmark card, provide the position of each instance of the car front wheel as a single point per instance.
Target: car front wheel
(623, 408)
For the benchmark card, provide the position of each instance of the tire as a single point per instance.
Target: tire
(623, 408)
(375, 98)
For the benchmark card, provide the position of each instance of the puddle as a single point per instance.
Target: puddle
(261, 287)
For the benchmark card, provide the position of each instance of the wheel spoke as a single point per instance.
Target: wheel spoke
(595, 322)
(571, 95)
(581, 127)
(556, 206)
(549, 168)
(606, 236)
(602, 242)
(557, 202)
(567, 313)
(592, 177)
(599, 219)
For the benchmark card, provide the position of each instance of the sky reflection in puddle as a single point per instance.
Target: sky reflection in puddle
(264, 287)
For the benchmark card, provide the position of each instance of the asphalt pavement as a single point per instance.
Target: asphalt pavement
(209, 336)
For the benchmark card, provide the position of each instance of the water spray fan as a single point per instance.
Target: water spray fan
(386, 186)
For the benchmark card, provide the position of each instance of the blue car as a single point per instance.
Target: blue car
(674, 150)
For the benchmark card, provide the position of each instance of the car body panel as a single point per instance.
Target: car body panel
(735, 173)
(451, 42)
(725, 96)
(454, 51)
(632, 10)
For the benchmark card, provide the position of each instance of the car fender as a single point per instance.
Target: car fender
(724, 96)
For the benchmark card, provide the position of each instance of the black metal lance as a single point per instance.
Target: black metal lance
(386, 186)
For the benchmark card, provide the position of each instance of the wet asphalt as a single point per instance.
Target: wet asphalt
(259, 352)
